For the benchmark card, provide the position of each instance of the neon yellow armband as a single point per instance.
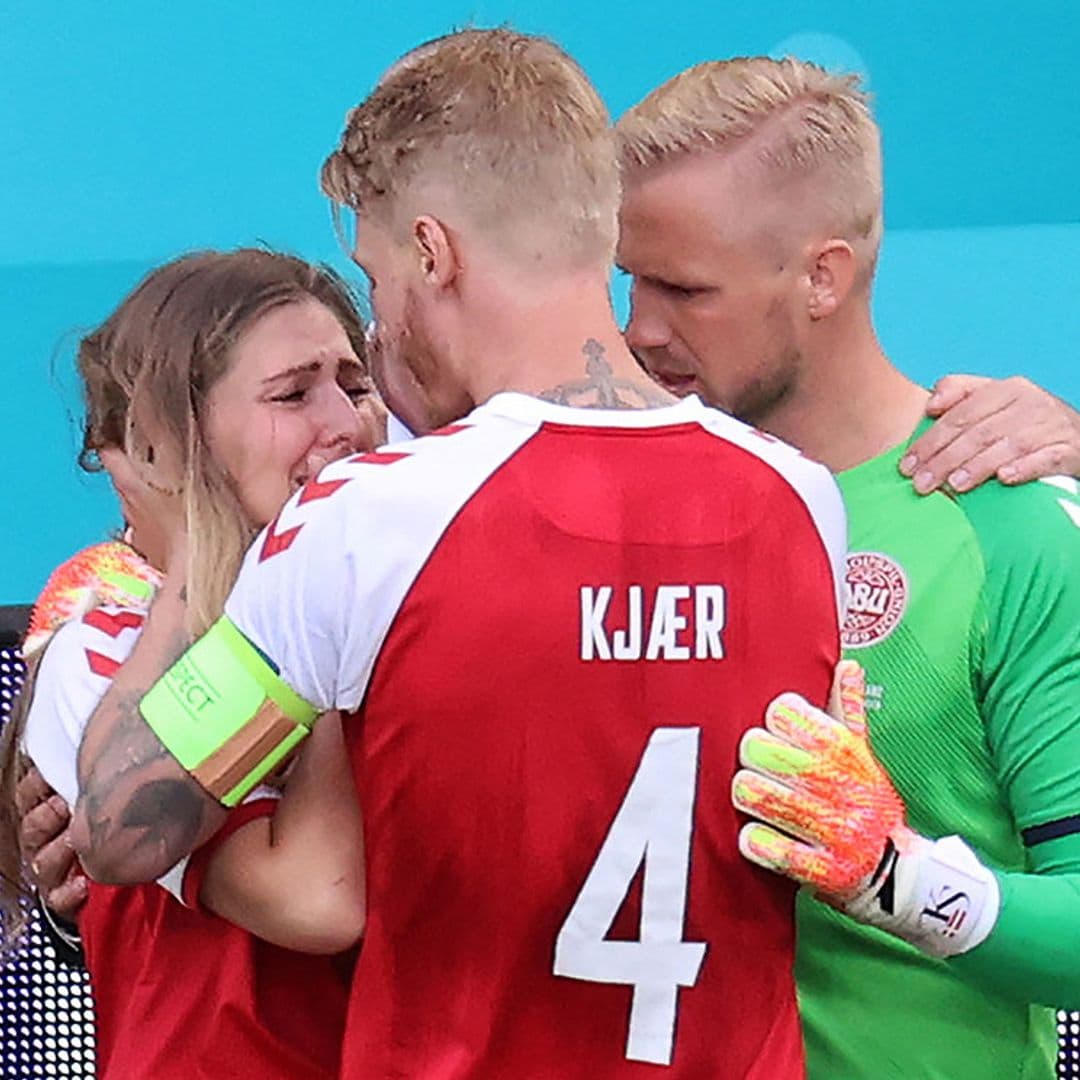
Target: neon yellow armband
(225, 715)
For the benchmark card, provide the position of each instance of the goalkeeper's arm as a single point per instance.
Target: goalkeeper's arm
(1033, 949)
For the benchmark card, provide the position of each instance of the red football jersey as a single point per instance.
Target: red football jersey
(555, 625)
(183, 995)
(179, 994)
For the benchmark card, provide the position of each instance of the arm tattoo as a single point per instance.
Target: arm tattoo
(600, 389)
(136, 797)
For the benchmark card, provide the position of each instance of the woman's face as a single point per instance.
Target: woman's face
(294, 398)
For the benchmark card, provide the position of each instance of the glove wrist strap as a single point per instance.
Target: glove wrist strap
(933, 893)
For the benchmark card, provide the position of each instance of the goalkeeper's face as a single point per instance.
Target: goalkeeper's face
(294, 398)
(719, 293)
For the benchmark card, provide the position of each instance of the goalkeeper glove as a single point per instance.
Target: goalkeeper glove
(108, 573)
(830, 818)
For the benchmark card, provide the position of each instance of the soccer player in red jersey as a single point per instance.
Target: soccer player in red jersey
(550, 622)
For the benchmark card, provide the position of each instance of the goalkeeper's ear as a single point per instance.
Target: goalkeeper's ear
(847, 699)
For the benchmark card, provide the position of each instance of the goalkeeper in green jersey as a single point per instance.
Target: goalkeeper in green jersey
(750, 226)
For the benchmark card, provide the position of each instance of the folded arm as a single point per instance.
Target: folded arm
(835, 822)
(1031, 954)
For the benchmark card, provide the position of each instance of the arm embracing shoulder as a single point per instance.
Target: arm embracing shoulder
(188, 731)
(138, 811)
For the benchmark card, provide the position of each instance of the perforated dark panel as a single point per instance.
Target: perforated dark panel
(46, 1013)
(1069, 1038)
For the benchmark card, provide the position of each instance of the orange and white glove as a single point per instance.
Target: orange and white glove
(108, 573)
(829, 817)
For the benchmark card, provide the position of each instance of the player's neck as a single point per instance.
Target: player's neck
(851, 404)
(561, 343)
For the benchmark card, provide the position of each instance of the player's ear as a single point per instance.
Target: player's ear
(435, 251)
(832, 275)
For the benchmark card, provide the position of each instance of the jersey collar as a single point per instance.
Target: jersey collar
(533, 410)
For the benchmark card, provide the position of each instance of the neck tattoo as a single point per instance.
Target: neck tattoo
(600, 389)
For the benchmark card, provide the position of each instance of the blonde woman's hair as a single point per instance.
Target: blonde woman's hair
(799, 121)
(506, 123)
(146, 374)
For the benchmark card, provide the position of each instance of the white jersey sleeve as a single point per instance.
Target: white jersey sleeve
(322, 584)
(74, 673)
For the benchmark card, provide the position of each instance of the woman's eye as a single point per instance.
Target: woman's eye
(293, 397)
(357, 393)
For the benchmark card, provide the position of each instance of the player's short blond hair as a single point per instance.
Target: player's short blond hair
(505, 122)
(804, 122)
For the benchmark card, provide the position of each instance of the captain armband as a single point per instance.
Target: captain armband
(224, 713)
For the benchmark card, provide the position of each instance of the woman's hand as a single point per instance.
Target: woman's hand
(46, 846)
(155, 515)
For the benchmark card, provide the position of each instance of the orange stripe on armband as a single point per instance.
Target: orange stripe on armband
(253, 743)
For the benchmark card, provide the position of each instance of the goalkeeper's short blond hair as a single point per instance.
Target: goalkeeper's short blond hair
(508, 125)
(799, 122)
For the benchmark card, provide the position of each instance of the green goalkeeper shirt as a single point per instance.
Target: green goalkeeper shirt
(965, 613)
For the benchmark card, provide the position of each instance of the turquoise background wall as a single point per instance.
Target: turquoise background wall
(130, 132)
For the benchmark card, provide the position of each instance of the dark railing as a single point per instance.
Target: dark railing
(13, 620)
(46, 1010)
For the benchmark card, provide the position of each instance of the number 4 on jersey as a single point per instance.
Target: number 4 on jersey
(653, 824)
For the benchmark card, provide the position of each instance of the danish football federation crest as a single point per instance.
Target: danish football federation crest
(877, 593)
